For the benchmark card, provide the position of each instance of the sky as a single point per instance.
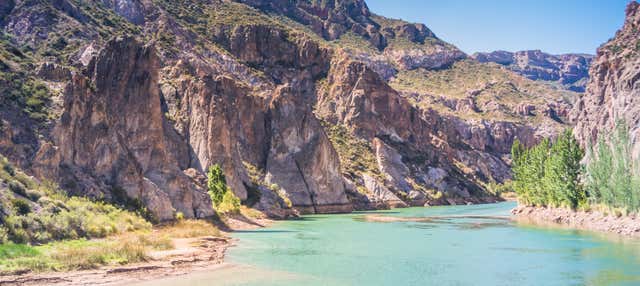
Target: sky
(553, 26)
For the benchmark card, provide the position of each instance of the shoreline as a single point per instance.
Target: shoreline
(595, 221)
(189, 255)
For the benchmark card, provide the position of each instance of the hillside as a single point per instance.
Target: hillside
(320, 103)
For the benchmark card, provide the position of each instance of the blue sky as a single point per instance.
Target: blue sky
(554, 26)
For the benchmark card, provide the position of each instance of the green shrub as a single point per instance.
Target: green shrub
(21, 206)
(4, 235)
(17, 188)
(33, 195)
(230, 203)
(9, 169)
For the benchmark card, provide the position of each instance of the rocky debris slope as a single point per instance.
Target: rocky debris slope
(298, 102)
(612, 92)
(570, 70)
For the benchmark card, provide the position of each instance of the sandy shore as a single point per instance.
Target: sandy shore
(188, 255)
(590, 221)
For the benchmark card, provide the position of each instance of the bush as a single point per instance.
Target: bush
(17, 188)
(4, 235)
(21, 206)
(33, 195)
(9, 169)
(230, 203)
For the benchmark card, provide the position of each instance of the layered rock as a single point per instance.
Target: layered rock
(570, 70)
(612, 92)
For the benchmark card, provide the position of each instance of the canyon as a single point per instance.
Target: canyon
(325, 105)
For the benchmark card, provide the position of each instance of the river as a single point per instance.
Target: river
(454, 245)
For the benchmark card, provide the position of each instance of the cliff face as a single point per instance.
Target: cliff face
(319, 103)
(612, 92)
(112, 135)
(570, 70)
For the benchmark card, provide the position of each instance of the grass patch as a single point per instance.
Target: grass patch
(82, 254)
(12, 250)
(189, 229)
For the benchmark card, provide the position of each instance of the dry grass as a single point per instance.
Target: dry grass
(188, 229)
(131, 247)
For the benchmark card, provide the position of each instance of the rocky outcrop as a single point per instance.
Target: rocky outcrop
(436, 57)
(54, 72)
(612, 92)
(112, 136)
(330, 19)
(302, 161)
(570, 70)
(132, 10)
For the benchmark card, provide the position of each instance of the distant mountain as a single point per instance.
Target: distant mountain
(569, 70)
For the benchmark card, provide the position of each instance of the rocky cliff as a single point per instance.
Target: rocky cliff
(569, 70)
(320, 103)
(612, 92)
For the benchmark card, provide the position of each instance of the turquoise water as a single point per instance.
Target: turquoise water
(461, 245)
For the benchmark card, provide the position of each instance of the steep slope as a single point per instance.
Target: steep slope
(320, 103)
(568, 70)
(612, 92)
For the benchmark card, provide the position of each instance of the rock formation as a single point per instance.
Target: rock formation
(612, 92)
(570, 70)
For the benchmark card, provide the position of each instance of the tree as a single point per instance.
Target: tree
(548, 174)
(216, 184)
(562, 172)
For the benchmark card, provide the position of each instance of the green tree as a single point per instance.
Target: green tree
(216, 184)
(599, 173)
(562, 172)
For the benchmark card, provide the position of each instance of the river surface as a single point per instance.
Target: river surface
(454, 245)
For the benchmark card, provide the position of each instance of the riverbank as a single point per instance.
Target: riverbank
(593, 220)
(188, 253)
